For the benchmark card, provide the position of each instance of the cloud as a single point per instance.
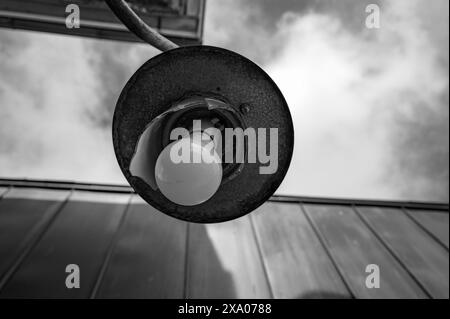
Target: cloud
(57, 97)
(370, 107)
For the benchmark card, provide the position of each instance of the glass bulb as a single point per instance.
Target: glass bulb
(192, 182)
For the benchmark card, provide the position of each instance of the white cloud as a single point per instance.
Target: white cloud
(348, 92)
(48, 88)
(368, 105)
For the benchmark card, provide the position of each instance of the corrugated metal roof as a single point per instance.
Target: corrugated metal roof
(291, 247)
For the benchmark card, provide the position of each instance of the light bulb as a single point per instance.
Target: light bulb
(192, 182)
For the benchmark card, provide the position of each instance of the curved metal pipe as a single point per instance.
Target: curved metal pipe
(136, 25)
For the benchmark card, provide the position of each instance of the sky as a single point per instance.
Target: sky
(369, 106)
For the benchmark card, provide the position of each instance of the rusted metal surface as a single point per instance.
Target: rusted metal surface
(205, 70)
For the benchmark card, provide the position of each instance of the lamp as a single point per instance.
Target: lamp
(207, 103)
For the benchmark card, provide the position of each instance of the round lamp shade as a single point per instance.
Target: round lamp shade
(229, 92)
